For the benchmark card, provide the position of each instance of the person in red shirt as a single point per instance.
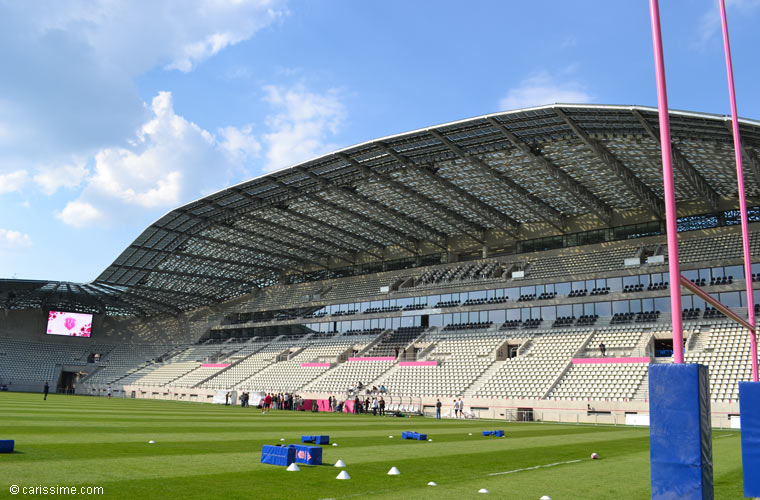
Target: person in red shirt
(267, 402)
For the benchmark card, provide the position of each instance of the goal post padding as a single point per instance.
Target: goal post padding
(680, 436)
(749, 408)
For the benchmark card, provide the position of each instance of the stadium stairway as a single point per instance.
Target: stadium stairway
(561, 375)
(377, 340)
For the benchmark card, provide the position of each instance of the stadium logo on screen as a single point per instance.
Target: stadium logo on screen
(69, 324)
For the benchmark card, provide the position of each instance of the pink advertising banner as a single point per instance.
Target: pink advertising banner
(597, 361)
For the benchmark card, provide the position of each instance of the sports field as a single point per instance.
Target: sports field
(203, 451)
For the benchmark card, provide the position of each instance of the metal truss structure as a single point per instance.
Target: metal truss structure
(410, 194)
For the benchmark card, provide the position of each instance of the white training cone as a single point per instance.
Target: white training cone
(432, 483)
(282, 439)
(431, 439)
(151, 442)
(293, 467)
(546, 497)
(335, 444)
(394, 472)
(343, 475)
(482, 490)
(390, 437)
(470, 434)
(340, 463)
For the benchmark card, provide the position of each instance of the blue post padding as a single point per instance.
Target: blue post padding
(413, 435)
(6, 445)
(749, 407)
(680, 437)
(277, 455)
(309, 455)
(316, 439)
(494, 433)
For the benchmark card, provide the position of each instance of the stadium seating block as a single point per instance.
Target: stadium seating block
(316, 439)
(278, 455)
(309, 455)
(6, 445)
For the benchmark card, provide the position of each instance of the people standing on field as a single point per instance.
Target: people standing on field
(438, 409)
(46, 389)
(456, 409)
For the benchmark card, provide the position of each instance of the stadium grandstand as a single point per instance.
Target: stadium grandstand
(516, 260)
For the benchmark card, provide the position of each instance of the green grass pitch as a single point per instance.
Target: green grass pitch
(204, 451)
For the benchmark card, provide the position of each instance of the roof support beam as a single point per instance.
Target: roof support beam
(432, 206)
(397, 237)
(589, 200)
(115, 301)
(152, 270)
(277, 241)
(239, 246)
(506, 222)
(206, 258)
(748, 155)
(153, 303)
(691, 174)
(249, 213)
(414, 224)
(524, 197)
(370, 249)
(284, 230)
(200, 296)
(637, 187)
(212, 222)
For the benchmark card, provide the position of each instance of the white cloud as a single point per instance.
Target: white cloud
(709, 24)
(301, 125)
(14, 239)
(70, 66)
(542, 88)
(12, 181)
(50, 179)
(239, 143)
(169, 161)
(79, 214)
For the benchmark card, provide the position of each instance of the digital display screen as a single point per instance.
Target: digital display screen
(69, 324)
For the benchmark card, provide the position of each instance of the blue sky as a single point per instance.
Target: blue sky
(113, 113)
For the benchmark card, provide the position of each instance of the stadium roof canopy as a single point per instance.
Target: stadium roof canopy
(411, 193)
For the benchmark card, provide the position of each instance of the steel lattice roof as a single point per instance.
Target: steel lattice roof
(461, 179)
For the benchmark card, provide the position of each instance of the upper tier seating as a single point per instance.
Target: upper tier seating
(394, 341)
(531, 374)
(461, 360)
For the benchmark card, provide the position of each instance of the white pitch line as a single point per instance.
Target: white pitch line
(725, 436)
(533, 468)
